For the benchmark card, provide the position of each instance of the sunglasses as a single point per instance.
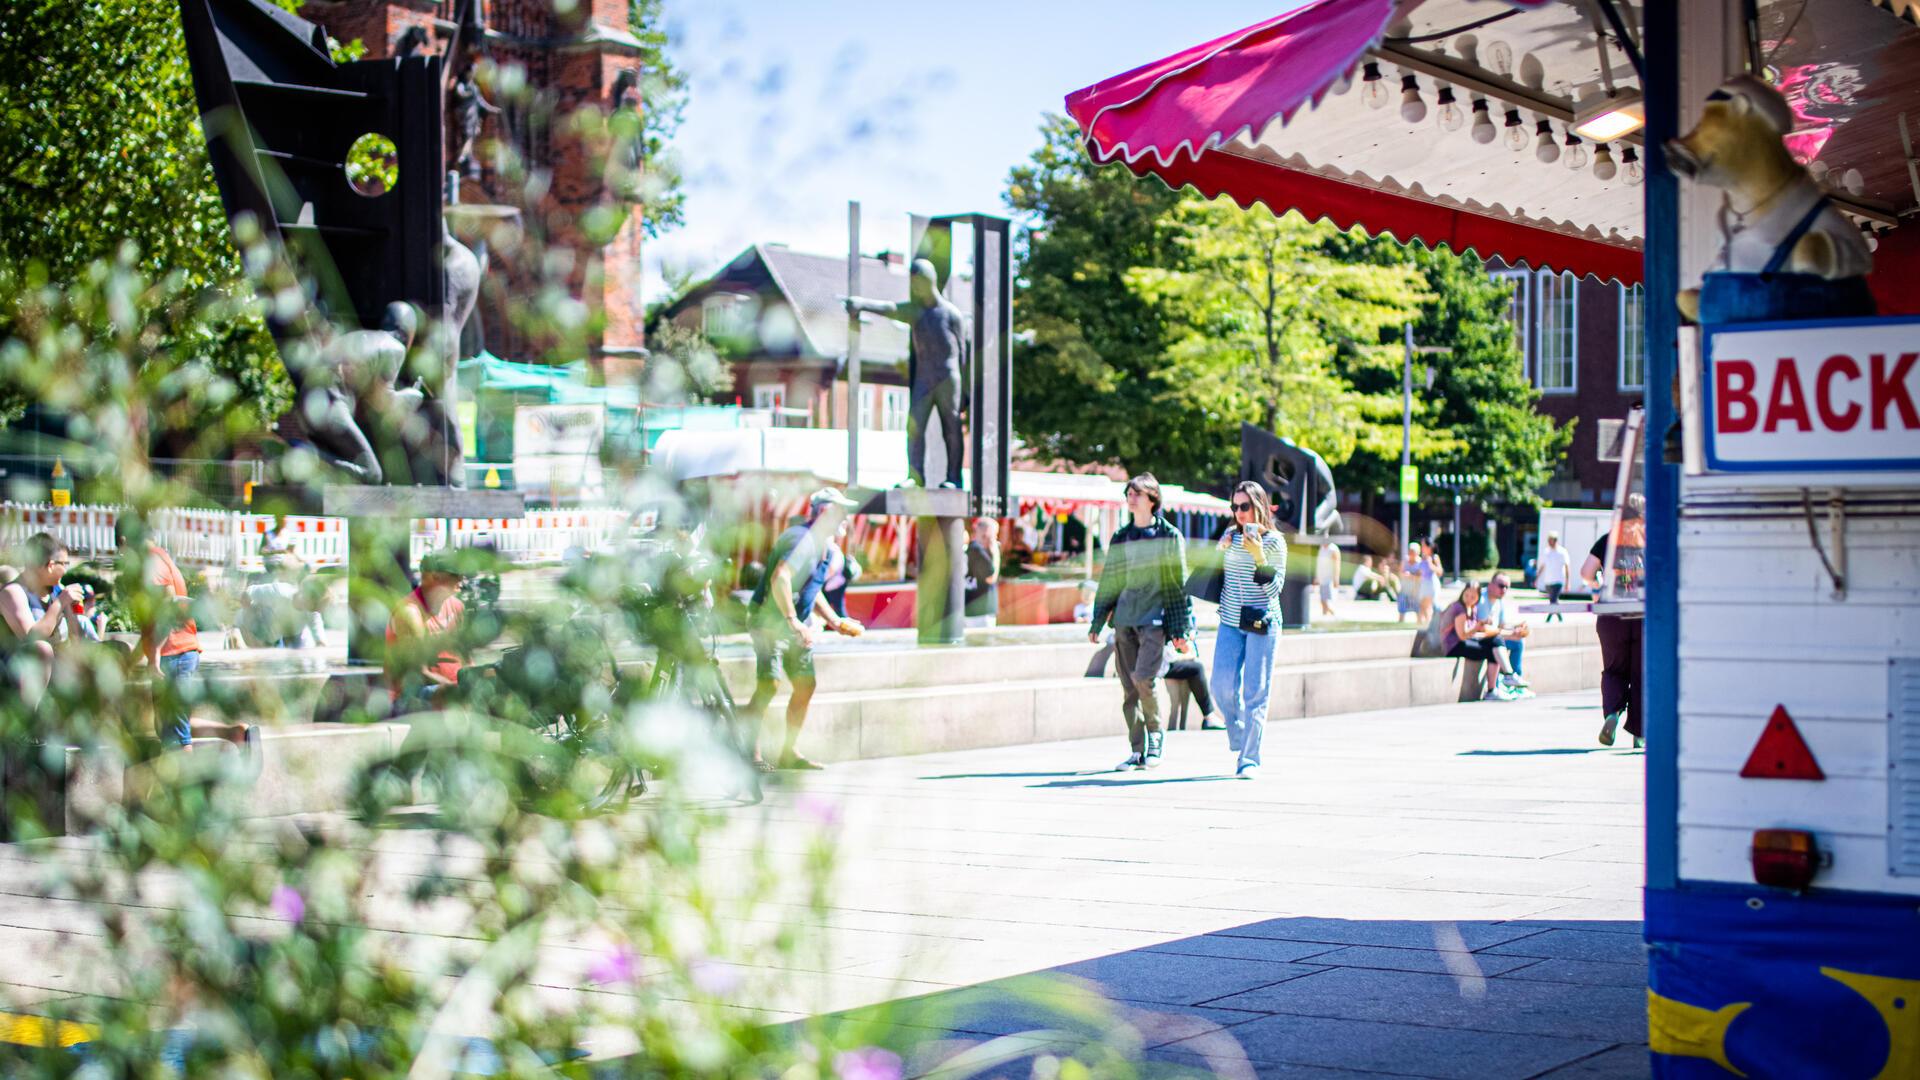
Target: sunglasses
(1239, 506)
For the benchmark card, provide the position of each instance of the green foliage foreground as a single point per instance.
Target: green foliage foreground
(490, 880)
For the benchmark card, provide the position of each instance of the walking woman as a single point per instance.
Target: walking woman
(1255, 567)
(1621, 638)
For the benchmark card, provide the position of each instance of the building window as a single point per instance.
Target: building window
(770, 396)
(726, 317)
(1633, 338)
(1517, 314)
(894, 403)
(1556, 331)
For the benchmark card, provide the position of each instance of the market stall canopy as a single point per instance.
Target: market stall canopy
(1448, 121)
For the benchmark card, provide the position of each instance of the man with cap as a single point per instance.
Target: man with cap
(423, 626)
(789, 593)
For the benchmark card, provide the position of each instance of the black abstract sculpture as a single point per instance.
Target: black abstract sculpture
(282, 120)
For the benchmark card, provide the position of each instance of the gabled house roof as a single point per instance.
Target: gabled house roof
(811, 287)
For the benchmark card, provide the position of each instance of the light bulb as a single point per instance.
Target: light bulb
(1545, 150)
(1501, 54)
(1819, 171)
(1871, 236)
(1630, 168)
(1576, 157)
(1412, 109)
(1603, 166)
(1852, 182)
(1373, 86)
(1451, 118)
(1483, 130)
(1516, 131)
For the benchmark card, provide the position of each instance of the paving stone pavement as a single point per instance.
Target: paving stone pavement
(1449, 891)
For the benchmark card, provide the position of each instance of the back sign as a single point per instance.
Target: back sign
(1840, 395)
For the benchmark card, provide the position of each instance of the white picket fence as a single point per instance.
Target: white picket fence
(232, 539)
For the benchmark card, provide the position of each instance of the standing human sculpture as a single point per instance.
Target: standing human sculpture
(937, 363)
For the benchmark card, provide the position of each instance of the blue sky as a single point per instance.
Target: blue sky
(799, 105)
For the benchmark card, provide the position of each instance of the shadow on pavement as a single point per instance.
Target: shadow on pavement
(1292, 996)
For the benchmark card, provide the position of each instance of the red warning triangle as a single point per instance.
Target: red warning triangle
(1781, 754)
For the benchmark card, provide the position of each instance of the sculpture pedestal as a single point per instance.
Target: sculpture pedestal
(941, 514)
(379, 542)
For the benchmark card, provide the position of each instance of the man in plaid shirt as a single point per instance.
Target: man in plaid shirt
(1143, 592)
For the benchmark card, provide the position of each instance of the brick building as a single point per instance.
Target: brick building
(572, 59)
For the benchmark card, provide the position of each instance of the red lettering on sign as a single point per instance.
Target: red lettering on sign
(1839, 364)
(1889, 390)
(1786, 402)
(1733, 389)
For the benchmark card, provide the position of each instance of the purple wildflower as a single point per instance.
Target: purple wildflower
(867, 1063)
(287, 903)
(617, 965)
(818, 809)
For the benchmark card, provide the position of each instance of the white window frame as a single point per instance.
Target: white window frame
(726, 315)
(770, 395)
(1549, 283)
(895, 404)
(1633, 338)
(1519, 314)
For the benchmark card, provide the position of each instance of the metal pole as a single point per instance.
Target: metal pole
(853, 345)
(1456, 532)
(1406, 436)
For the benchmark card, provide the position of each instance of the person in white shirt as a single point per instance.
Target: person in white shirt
(1492, 611)
(1326, 573)
(1550, 575)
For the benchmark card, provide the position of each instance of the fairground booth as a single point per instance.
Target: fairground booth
(1761, 152)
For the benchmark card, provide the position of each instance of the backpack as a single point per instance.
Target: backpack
(1430, 642)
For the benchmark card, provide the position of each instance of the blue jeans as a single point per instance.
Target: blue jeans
(1515, 646)
(171, 722)
(1242, 678)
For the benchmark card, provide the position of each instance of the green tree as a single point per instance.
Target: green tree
(101, 147)
(663, 105)
(1259, 308)
(1086, 387)
(1479, 403)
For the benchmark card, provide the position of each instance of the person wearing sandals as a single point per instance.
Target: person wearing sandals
(1253, 571)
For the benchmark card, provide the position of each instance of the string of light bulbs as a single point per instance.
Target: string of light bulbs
(1570, 150)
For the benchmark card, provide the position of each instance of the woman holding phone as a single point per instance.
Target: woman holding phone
(1253, 571)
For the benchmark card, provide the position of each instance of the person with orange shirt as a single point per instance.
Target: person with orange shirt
(427, 618)
(171, 645)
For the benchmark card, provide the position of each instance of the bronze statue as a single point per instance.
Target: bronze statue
(937, 360)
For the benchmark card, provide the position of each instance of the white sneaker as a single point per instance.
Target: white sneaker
(1152, 762)
(1515, 680)
(1133, 762)
(1248, 772)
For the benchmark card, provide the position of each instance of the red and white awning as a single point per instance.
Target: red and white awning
(1274, 114)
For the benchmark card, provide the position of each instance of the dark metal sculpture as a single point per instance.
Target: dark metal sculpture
(1304, 498)
(937, 356)
(280, 118)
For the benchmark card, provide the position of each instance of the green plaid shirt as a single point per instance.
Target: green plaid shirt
(1156, 553)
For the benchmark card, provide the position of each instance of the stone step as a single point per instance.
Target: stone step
(306, 766)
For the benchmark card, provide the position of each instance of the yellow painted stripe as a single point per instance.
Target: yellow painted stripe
(22, 1030)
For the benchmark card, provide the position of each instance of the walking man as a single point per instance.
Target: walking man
(1143, 592)
(789, 593)
(1551, 575)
